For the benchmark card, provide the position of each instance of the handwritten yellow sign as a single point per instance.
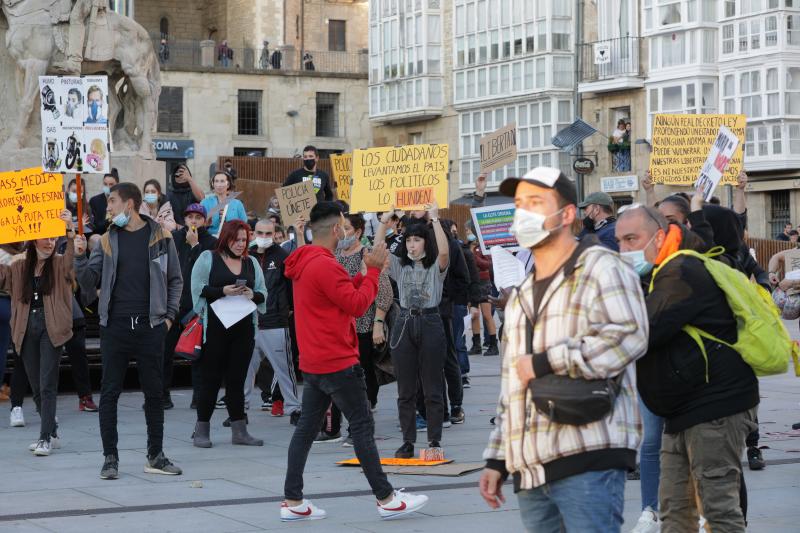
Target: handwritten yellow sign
(342, 166)
(408, 177)
(681, 144)
(30, 204)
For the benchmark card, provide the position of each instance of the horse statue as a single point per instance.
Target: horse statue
(36, 39)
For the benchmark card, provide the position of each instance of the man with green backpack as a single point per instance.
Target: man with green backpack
(711, 332)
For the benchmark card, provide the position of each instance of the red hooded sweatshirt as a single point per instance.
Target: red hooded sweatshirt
(326, 303)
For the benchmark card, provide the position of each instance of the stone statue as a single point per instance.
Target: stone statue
(49, 37)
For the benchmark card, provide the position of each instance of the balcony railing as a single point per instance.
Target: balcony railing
(198, 55)
(609, 59)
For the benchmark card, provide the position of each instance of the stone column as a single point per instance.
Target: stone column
(207, 51)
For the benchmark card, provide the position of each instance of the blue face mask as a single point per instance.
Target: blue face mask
(94, 106)
(151, 198)
(637, 260)
(471, 238)
(121, 220)
(106, 190)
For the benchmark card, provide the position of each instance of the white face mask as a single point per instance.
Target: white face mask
(264, 242)
(420, 258)
(528, 227)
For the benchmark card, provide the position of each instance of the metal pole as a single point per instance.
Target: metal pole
(577, 104)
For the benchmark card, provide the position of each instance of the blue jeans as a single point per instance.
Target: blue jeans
(649, 457)
(459, 312)
(590, 502)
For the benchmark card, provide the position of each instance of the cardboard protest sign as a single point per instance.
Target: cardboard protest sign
(680, 147)
(718, 159)
(408, 177)
(492, 227)
(791, 261)
(499, 148)
(296, 201)
(342, 166)
(74, 112)
(30, 204)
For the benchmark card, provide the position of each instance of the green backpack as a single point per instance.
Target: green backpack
(762, 339)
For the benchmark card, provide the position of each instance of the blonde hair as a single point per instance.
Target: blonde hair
(98, 147)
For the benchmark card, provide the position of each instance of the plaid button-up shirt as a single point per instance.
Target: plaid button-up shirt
(592, 323)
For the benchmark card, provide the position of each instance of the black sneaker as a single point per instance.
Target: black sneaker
(476, 349)
(110, 468)
(635, 474)
(168, 403)
(161, 465)
(492, 350)
(434, 444)
(406, 451)
(754, 459)
(220, 403)
(294, 418)
(326, 437)
(266, 405)
(465, 382)
(458, 416)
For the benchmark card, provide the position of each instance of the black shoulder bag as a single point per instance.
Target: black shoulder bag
(567, 400)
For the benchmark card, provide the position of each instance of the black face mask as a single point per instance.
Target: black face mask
(588, 223)
(309, 164)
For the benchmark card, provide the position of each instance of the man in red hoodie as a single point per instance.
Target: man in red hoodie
(326, 303)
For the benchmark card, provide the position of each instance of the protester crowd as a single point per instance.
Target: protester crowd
(621, 351)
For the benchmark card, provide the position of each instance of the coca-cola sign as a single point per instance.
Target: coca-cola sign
(583, 165)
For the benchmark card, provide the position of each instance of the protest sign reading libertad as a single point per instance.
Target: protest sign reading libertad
(342, 166)
(296, 201)
(30, 204)
(408, 177)
(681, 143)
(492, 226)
(499, 148)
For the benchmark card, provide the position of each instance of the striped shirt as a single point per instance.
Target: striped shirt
(592, 323)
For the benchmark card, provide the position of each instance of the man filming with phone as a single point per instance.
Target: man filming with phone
(184, 191)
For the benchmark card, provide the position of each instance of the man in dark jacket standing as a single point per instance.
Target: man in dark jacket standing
(310, 172)
(190, 241)
(137, 271)
(598, 210)
(185, 191)
(708, 406)
(272, 338)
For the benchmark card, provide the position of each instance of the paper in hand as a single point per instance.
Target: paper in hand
(508, 270)
(231, 309)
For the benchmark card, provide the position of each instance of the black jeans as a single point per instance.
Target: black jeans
(226, 354)
(78, 362)
(169, 355)
(41, 361)
(418, 347)
(452, 370)
(122, 339)
(347, 390)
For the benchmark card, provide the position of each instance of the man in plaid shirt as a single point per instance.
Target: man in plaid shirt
(591, 323)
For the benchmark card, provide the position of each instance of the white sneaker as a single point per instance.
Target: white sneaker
(17, 418)
(42, 448)
(55, 443)
(648, 522)
(402, 503)
(304, 511)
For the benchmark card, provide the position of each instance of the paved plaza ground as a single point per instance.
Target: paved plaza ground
(238, 489)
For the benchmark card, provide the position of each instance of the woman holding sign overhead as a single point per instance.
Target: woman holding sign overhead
(220, 208)
(41, 321)
(227, 292)
(417, 340)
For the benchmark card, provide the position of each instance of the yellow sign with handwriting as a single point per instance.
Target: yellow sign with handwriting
(30, 204)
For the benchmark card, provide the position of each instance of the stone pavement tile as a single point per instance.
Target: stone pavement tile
(23, 526)
(174, 521)
(480, 521)
(175, 491)
(37, 501)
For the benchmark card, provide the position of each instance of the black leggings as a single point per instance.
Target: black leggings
(226, 355)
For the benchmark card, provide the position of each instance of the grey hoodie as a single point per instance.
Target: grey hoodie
(166, 283)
